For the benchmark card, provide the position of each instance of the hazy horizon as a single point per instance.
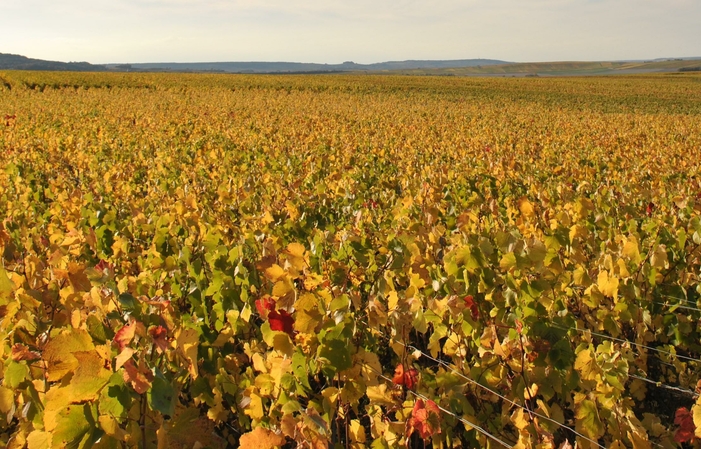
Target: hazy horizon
(366, 32)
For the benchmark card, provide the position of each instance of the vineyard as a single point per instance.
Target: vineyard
(209, 261)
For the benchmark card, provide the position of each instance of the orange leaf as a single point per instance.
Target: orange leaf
(261, 438)
(408, 378)
(138, 378)
(424, 419)
(123, 357)
(264, 306)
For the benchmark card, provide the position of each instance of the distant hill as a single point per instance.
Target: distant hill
(301, 67)
(455, 67)
(18, 62)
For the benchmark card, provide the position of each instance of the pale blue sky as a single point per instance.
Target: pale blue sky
(334, 31)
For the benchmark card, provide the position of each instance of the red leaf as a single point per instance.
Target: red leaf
(685, 421)
(470, 302)
(281, 321)
(125, 335)
(407, 378)
(264, 306)
(160, 337)
(424, 419)
(21, 352)
(650, 208)
(105, 268)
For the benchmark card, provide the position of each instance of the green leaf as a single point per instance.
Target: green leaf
(588, 421)
(299, 369)
(561, 355)
(72, 425)
(508, 261)
(470, 257)
(127, 301)
(15, 374)
(96, 329)
(115, 398)
(339, 303)
(162, 395)
(380, 443)
(335, 356)
(537, 252)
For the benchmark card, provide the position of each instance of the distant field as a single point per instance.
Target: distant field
(564, 68)
(350, 260)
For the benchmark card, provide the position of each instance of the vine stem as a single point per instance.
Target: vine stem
(142, 421)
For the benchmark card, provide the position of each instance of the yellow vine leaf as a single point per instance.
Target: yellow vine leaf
(254, 409)
(357, 431)
(608, 284)
(56, 399)
(520, 418)
(588, 421)
(659, 257)
(307, 320)
(638, 436)
(111, 427)
(187, 342)
(58, 353)
(6, 285)
(696, 414)
(630, 250)
(379, 395)
(89, 378)
(282, 287)
(39, 439)
(586, 365)
(137, 376)
(295, 256)
(274, 272)
(7, 400)
(526, 207)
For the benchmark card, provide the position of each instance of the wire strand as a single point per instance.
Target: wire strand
(448, 412)
(472, 381)
(676, 306)
(679, 299)
(620, 340)
(663, 385)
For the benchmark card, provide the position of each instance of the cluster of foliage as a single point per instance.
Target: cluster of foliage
(196, 261)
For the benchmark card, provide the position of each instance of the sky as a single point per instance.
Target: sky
(363, 31)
